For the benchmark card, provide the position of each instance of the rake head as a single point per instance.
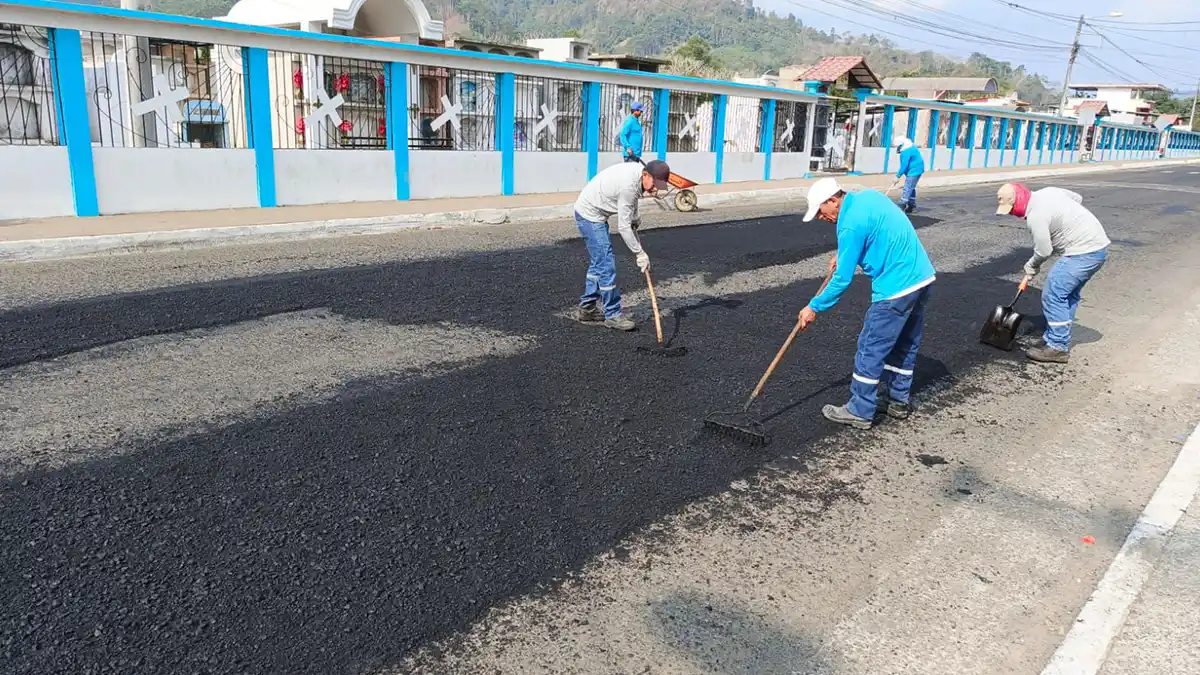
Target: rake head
(738, 425)
(662, 350)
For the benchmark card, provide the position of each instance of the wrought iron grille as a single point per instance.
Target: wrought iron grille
(743, 124)
(152, 93)
(27, 109)
(328, 102)
(690, 122)
(549, 116)
(453, 109)
(615, 100)
(791, 126)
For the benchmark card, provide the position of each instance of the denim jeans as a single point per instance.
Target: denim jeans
(889, 341)
(1061, 296)
(601, 284)
(632, 158)
(908, 194)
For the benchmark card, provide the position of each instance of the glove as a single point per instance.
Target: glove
(643, 261)
(1028, 279)
(1031, 272)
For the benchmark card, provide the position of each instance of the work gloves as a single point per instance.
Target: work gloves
(643, 261)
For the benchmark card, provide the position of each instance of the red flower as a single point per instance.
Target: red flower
(343, 82)
(346, 126)
(298, 79)
(300, 125)
(383, 126)
(382, 85)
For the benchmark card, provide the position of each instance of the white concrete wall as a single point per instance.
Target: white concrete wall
(35, 182)
(133, 180)
(433, 174)
(699, 167)
(743, 166)
(868, 160)
(940, 159)
(607, 159)
(334, 176)
(788, 165)
(535, 172)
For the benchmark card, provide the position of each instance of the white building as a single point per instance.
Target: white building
(399, 20)
(563, 50)
(1124, 100)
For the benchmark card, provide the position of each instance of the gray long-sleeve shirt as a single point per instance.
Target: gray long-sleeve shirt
(1061, 224)
(614, 191)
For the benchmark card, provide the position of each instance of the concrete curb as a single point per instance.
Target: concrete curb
(30, 250)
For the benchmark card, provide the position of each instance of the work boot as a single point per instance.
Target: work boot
(839, 414)
(1046, 354)
(898, 411)
(909, 208)
(1031, 342)
(619, 322)
(590, 313)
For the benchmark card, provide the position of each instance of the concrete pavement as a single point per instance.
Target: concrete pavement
(389, 454)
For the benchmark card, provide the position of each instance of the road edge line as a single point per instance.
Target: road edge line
(1086, 647)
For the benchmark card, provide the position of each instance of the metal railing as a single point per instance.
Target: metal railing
(549, 115)
(27, 108)
(453, 109)
(327, 102)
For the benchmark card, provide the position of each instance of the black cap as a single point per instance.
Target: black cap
(659, 171)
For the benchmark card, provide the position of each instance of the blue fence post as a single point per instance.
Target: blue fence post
(720, 103)
(1041, 142)
(971, 140)
(987, 140)
(662, 115)
(1018, 127)
(397, 123)
(766, 137)
(952, 140)
(506, 129)
(70, 102)
(911, 132)
(1003, 138)
(932, 138)
(1052, 140)
(889, 114)
(1075, 136)
(591, 127)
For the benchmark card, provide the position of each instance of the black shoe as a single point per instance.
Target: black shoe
(909, 208)
(590, 313)
(899, 411)
(1046, 355)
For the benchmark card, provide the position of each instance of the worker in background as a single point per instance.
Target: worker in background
(614, 191)
(874, 234)
(630, 137)
(912, 167)
(1060, 224)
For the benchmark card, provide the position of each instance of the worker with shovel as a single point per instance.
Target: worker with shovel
(912, 167)
(1060, 224)
(873, 233)
(614, 191)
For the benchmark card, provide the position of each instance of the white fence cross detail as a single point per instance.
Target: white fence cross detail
(548, 117)
(452, 111)
(787, 133)
(328, 107)
(165, 98)
(689, 126)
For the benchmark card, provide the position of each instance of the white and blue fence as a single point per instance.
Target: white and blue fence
(110, 111)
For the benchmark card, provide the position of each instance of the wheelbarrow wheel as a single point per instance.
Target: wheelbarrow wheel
(685, 200)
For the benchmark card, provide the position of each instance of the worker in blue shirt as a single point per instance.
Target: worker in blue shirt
(630, 137)
(874, 234)
(912, 167)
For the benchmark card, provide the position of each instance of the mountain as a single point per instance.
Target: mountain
(743, 38)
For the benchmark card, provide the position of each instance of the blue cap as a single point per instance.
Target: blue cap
(635, 106)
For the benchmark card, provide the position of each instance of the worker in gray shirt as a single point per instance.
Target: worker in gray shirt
(1060, 224)
(614, 191)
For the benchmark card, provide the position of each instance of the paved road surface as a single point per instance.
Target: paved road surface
(394, 454)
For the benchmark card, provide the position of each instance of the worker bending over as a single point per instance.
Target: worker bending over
(1060, 224)
(614, 191)
(874, 234)
(912, 167)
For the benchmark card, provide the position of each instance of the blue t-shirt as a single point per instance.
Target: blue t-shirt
(911, 162)
(873, 233)
(631, 136)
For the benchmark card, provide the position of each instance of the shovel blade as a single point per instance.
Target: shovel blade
(1000, 328)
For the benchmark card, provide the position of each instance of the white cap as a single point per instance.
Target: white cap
(818, 194)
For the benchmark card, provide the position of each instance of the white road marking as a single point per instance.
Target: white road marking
(1168, 171)
(1099, 622)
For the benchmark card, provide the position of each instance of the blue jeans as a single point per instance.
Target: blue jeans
(889, 341)
(632, 158)
(1061, 296)
(908, 194)
(601, 281)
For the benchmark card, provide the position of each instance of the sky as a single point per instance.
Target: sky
(1135, 49)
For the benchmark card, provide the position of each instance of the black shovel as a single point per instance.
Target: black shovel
(1000, 329)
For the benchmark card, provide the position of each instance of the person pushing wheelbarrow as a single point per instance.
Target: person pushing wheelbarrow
(873, 233)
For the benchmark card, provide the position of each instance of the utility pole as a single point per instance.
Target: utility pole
(1062, 100)
(1192, 119)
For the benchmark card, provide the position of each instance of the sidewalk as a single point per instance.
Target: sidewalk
(47, 238)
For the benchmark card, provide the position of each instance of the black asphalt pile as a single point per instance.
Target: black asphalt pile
(338, 537)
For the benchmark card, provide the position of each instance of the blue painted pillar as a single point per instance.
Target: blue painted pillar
(1003, 138)
(720, 103)
(766, 136)
(256, 79)
(971, 122)
(987, 140)
(1018, 127)
(1041, 142)
(931, 140)
(889, 120)
(952, 140)
(662, 115)
(591, 127)
(70, 101)
(911, 132)
(1052, 140)
(506, 129)
(397, 123)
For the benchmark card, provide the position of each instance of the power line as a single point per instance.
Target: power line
(956, 33)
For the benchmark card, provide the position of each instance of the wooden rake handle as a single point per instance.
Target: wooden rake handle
(654, 304)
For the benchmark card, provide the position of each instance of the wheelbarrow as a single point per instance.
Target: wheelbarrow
(679, 192)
